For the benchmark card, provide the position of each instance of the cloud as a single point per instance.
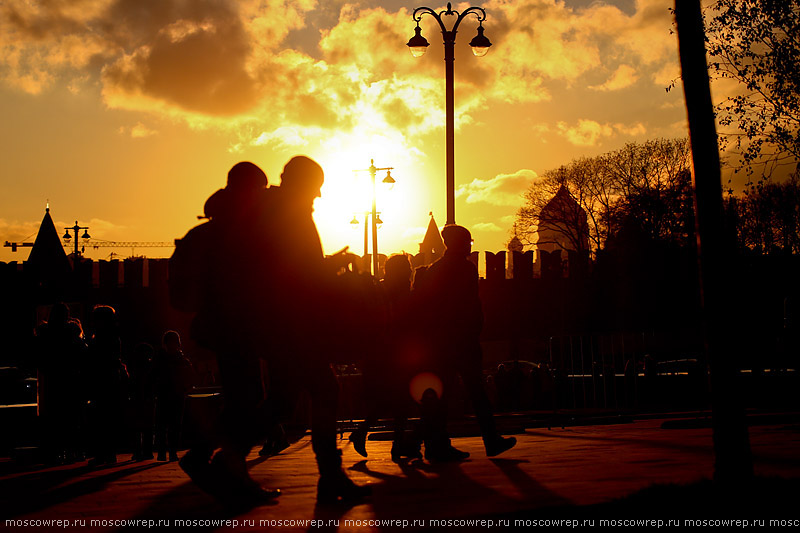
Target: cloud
(502, 190)
(101, 227)
(139, 131)
(633, 130)
(486, 226)
(198, 63)
(586, 133)
(416, 234)
(282, 137)
(591, 133)
(623, 77)
(15, 231)
(237, 65)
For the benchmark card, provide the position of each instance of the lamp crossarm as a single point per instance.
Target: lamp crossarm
(437, 16)
(479, 12)
(373, 170)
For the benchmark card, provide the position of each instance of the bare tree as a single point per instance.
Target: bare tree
(647, 184)
(654, 189)
(768, 217)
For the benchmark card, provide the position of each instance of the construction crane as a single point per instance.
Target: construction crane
(98, 243)
(15, 245)
(127, 244)
(78, 247)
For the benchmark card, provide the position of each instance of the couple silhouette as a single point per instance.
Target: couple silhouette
(256, 277)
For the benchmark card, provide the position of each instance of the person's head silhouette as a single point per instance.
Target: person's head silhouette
(302, 178)
(245, 181)
(104, 320)
(246, 177)
(457, 240)
(398, 270)
(171, 341)
(59, 315)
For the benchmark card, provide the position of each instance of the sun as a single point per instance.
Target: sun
(347, 193)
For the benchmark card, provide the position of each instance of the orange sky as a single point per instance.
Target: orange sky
(127, 114)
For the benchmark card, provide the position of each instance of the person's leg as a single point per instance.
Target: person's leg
(239, 428)
(243, 394)
(174, 426)
(334, 485)
(161, 428)
(470, 370)
(472, 377)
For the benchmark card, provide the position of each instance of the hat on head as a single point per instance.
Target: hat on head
(246, 176)
(454, 235)
(302, 171)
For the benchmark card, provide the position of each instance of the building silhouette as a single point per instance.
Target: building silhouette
(432, 246)
(563, 234)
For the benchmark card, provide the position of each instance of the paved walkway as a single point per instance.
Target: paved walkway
(562, 469)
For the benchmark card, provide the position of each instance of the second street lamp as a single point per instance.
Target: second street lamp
(76, 228)
(480, 45)
(388, 180)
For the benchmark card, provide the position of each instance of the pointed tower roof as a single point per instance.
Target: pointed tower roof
(432, 243)
(560, 202)
(515, 245)
(47, 256)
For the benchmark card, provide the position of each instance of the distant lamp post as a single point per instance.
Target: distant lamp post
(388, 180)
(480, 46)
(76, 228)
(355, 223)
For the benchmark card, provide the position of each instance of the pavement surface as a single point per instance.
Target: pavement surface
(551, 474)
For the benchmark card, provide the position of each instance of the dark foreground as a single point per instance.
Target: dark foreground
(647, 469)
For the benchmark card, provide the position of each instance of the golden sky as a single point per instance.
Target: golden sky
(127, 114)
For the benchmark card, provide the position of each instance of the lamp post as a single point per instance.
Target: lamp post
(76, 228)
(480, 46)
(389, 180)
(355, 222)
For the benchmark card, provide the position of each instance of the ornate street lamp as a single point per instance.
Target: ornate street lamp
(76, 228)
(388, 180)
(480, 45)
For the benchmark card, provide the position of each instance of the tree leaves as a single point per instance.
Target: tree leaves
(755, 42)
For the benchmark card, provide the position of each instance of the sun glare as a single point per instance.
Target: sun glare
(347, 193)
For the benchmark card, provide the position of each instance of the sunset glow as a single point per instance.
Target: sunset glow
(128, 120)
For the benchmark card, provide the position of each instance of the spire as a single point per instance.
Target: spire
(432, 243)
(47, 257)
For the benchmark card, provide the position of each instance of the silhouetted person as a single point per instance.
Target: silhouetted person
(59, 353)
(308, 330)
(106, 381)
(141, 395)
(172, 373)
(275, 442)
(450, 295)
(272, 297)
(229, 254)
(387, 372)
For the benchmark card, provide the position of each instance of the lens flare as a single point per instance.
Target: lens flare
(422, 382)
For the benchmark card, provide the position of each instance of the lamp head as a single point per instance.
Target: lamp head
(66, 236)
(480, 43)
(417, 44)
(389, 180)
(86, 234)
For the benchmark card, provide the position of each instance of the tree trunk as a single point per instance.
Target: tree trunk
(733, 461)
